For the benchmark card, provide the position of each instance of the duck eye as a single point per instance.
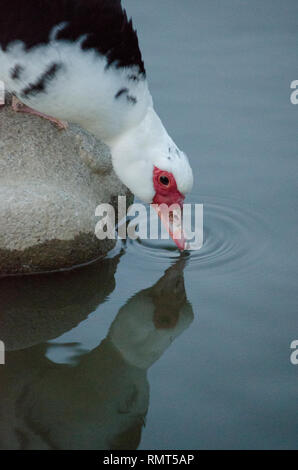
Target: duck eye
(164, 180)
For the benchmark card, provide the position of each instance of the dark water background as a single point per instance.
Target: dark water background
(204, 362)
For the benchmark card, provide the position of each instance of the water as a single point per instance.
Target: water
(197, 347)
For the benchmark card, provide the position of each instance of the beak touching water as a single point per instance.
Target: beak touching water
(172, 219)
(168, 202)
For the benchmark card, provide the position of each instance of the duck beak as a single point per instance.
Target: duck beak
(173, 222)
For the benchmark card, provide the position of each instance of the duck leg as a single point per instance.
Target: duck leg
(19, 107)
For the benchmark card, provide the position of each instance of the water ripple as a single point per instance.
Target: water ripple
(234, 237)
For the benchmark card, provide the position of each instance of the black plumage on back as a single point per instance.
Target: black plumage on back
(103, 22)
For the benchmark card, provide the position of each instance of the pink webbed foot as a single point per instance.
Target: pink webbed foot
(19, 107)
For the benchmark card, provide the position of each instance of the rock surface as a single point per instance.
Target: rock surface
(51, 181)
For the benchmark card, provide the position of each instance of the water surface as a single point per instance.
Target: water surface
(155, 350)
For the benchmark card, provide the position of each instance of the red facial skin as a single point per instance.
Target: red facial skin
(168, 194)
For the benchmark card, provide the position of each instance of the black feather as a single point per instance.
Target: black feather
(40, 85)
(104, 22)
(16, 71)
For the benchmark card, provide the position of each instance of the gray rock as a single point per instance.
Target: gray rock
(51, 181)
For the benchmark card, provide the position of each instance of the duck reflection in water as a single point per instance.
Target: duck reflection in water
(101, 402)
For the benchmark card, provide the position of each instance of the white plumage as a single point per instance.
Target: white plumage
(84, 65)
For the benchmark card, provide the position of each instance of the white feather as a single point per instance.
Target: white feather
(84, 91)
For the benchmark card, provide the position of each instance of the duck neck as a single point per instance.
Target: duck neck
(136, 151)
